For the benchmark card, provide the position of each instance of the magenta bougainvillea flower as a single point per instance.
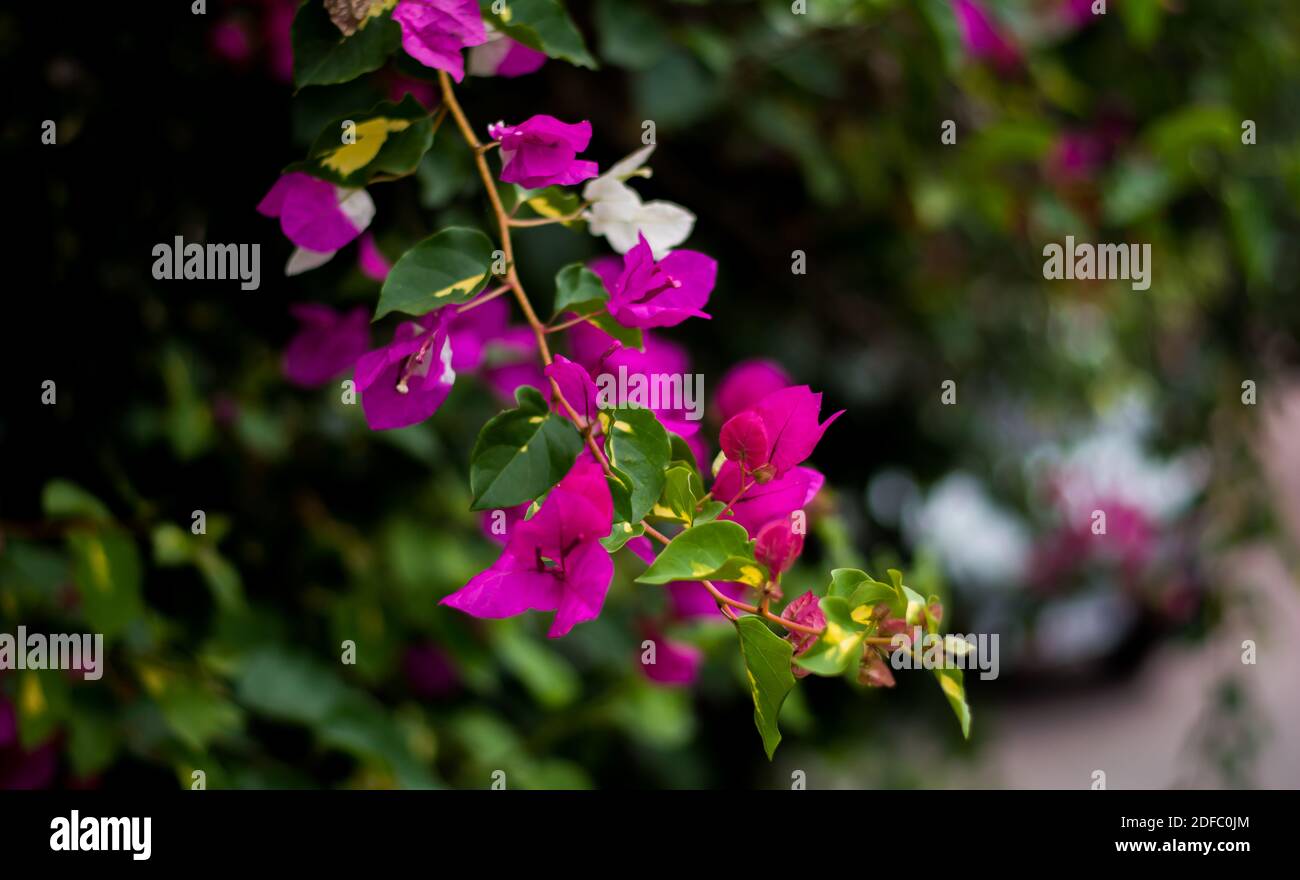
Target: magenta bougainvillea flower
(659, 293)
(434, 32)
(576, 386)
(746, 384)
(554, 561)
(687, 599)
(399, 86)
(744, 440)
(472, 332)
(503, 355)
(542, 151)
(502, 56)
(20, 768)
(327, 344)
(231, 43)
(498, 524)
(1076, 12)
(317, 216)
(676, 664)
(783, 425)
(777, 545)
(803, 610)
(312, 213)
(763, 502)
(982, 38)
(505, 379)
(430, 671)
(599, 353)
(406, 381)
(371, 260)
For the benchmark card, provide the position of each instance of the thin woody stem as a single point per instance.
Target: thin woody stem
(546, 221)
(572, 322)
(503, 227)
(485, 298)
(512, 283)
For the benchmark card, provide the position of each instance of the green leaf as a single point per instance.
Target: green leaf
(548, 676)
(859, 588)
(638, 447)
(682, 451)
(542, 25)
(289, 685)
(620, 534)
(767, 666)
(841, 645)
(952, 681)
(196, 715)
(106, 568)
(61, 498)
(630, 35)
(554, 202)
(953, 684)
(629, 336)
(447, 268)
(620, 492)
(718, 550)
(911, 602)
(709, 511)
(390, 139)
(521, 453)
(682, 488)
(93, 741)
(1141, 20)
(578, 290)
(323, 56)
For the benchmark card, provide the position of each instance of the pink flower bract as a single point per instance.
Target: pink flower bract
(504, 57)
(554, 561)
(313, 213)
(803, 610)
(789, 417)
(661, 293)
(434, 32)
(542, 151)
(676, 664)
(406, 381)
(982, 38)
(763, 502)
(778, 545)
(747, 383)
(327, 345)
(576, 386)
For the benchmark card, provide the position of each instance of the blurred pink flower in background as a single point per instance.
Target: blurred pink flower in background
(255, 30)
(675, 663)
(429, 671)
(982, 38)
(746, 384)
(19, 768)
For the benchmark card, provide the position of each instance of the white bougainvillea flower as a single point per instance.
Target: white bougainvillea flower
(618, 213)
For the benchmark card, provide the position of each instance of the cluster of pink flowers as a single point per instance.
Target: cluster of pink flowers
(554, 560)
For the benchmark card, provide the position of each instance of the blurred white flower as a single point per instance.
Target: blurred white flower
(979, 543)
(1112, 465)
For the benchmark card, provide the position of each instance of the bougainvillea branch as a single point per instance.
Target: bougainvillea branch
(609, 462)
(504, 224)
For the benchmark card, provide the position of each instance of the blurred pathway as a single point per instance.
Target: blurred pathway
(1141, 732)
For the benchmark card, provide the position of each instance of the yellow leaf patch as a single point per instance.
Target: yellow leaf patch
(370, 138)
